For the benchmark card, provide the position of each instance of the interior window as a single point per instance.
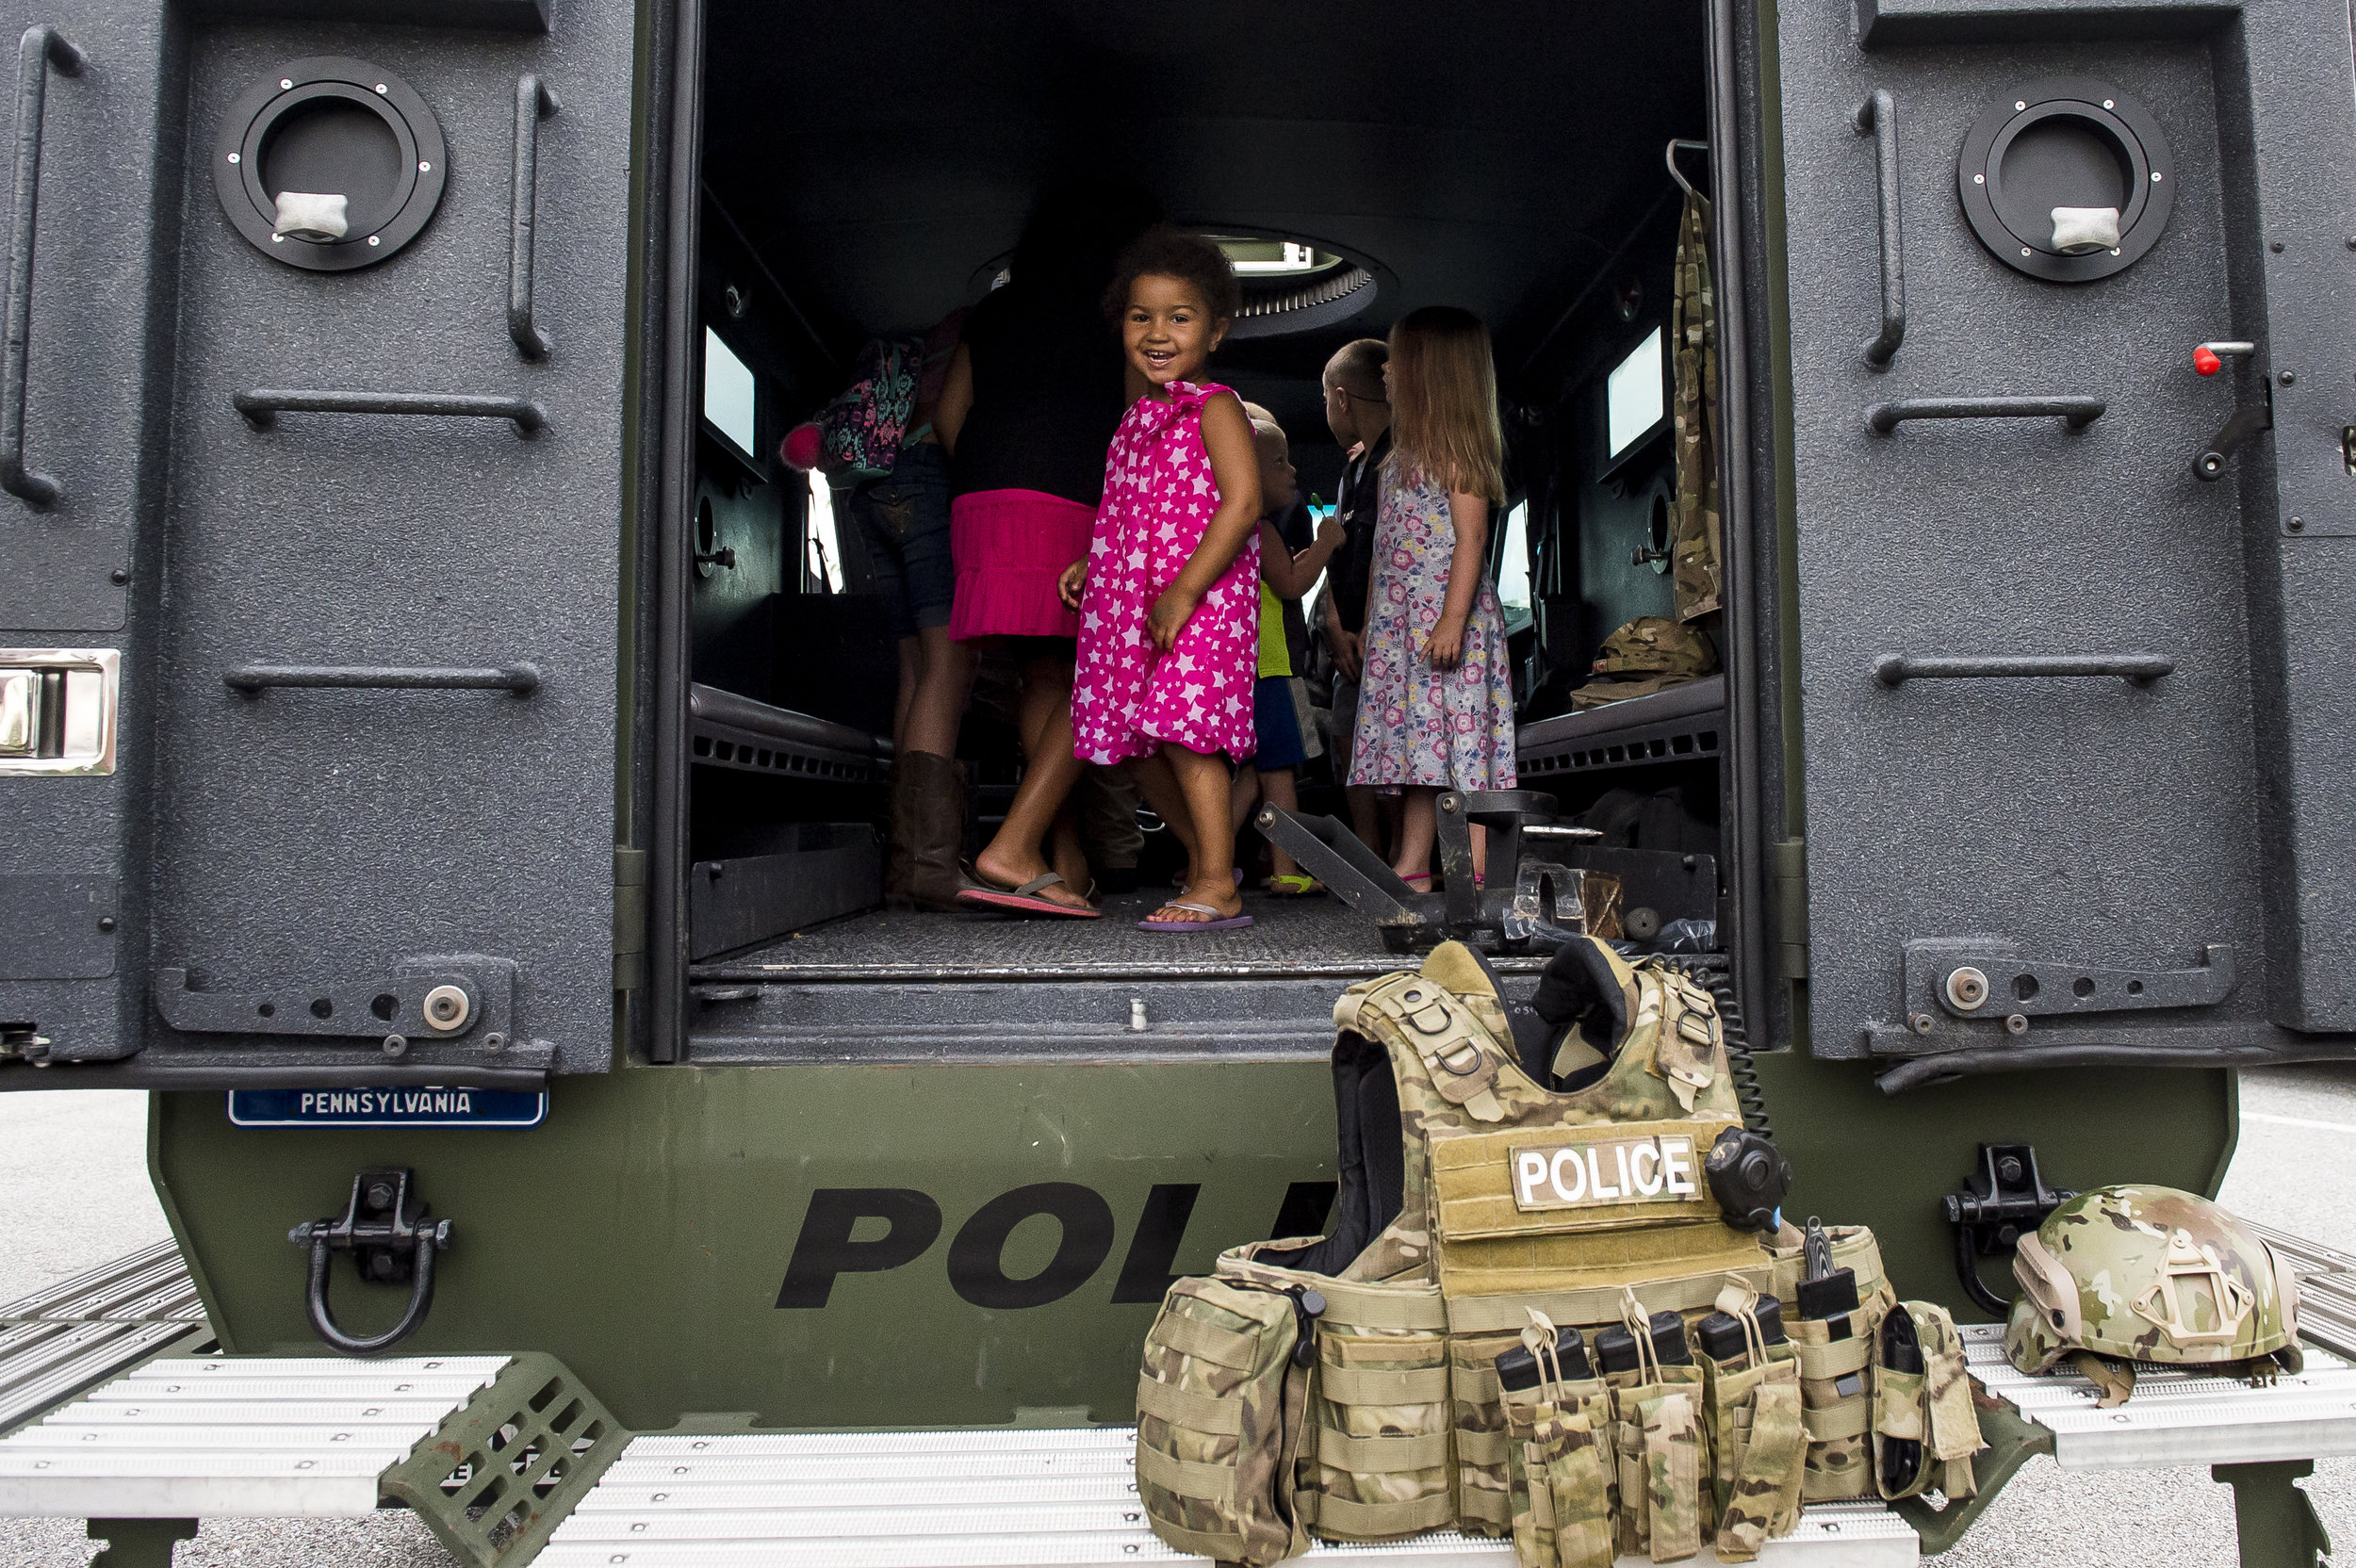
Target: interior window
(1514, 563)
(729, 395)
(1634, 395)
(823, 569)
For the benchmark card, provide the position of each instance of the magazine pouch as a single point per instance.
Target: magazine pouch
(1755, 1438)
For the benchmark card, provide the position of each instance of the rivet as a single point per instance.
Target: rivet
(286, 81)
(2025, 250)
(2275, 246)
(2108, 105)
(424, 168)
(278, 240)
(1920, 1023)
(380, 87)
(2114, 251)
(373, 240)
(233, 157)
(118, 577)
(2287, 377)
(396, 1045)
(2017, 1025)
(1979, 179)
(2155, 176)
(2020, 103)
(106, 922)
(2351, 242)
(2298, 525)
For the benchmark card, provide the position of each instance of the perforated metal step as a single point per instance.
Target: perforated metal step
(200, 1438)
(986, 1499)
(2178, 1417)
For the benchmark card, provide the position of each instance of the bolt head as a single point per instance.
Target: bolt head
(233, 157)
(106, 922)
(380, 1194)
(2008, 1168)
(2275, 246)
(2298, 525)
(118, 577)
(396, 1045)
(2018, 1023)
(1920, 1023)
(286, 81)
(2287, 377)
(373, 240)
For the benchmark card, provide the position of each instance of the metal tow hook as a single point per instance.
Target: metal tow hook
(387, 1230)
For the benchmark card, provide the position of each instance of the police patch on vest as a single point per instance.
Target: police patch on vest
(1662, 1168)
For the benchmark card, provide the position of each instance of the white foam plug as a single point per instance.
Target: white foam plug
(2081, 231)
(309, 215)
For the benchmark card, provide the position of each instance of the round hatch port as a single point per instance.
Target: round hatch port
(2067, 180)
(329, 164)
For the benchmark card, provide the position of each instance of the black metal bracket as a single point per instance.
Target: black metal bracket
(1955, 980)
(423, 1000)
(2245, 424)
(2007, 1196)
(392, 1240)
(41, 49)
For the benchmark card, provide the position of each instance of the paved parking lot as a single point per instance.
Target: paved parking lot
(74, 1194)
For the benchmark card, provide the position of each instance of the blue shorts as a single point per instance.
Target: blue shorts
(904, 519)
(1280, 717)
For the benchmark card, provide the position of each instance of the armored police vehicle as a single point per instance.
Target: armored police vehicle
(442, 749)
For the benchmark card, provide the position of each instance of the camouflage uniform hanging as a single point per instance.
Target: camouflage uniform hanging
(1693, 328)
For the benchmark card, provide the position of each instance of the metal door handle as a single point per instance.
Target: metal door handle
(533, 104)
(522, 679)
(42, 47)
(1878, 117)
(1895, 669)
(2077, 413)
(264, 403)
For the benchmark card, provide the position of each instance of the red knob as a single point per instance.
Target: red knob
(2205, 361)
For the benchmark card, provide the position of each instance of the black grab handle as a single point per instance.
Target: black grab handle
(533, 104)
(1878, 117)
(1896, 669)
(324, 1320)
(2077, 413)
(522, 679)
(41, 48)
(262, 405)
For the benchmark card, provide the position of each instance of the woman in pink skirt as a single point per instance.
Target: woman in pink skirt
(1169, 593)
(1034, 394)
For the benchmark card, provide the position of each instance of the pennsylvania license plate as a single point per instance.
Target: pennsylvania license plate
(387, 1107)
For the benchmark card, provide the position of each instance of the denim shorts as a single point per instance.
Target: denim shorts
(905, 520)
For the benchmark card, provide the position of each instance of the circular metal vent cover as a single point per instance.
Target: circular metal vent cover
(2074, 145)
(331, 126)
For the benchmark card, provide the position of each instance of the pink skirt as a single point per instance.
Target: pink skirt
(1010, 545)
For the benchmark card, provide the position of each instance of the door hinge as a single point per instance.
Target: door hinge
(630, 918)
(1788, 867)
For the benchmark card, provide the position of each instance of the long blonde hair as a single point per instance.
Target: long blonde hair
(1444, 401)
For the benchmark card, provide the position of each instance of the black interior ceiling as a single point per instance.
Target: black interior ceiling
(1493, 155)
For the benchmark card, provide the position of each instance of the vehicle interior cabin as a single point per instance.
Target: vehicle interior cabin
(866, 173)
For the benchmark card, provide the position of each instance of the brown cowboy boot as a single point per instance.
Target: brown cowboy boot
(899, 865)
(936, 790)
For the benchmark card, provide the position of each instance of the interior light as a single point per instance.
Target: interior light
(729, 393)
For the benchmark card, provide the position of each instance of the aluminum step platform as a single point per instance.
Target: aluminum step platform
(987, 1499)
(200, 1438)
(58, 1341)
(2177, 1416)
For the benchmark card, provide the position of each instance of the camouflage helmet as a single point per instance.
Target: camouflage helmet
(1654, 644)
(2149, 1274)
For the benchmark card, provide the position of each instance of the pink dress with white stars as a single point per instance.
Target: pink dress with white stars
(1159, 497)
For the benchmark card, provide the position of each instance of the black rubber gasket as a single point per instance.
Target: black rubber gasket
(2112, 114)
(375, 236)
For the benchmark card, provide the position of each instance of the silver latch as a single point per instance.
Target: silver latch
(58, 709)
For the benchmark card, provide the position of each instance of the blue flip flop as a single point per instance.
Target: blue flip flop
(1217, 922)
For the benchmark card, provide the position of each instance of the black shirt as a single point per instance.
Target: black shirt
(1299, 530)
(1047, 396)
(1360, 502)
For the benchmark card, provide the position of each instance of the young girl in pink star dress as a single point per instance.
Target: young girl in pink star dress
(1170, 592)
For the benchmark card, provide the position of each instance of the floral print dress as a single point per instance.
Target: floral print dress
(1420, 726)
(1159, 497)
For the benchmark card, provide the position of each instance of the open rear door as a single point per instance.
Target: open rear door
(2065, 620)
(322, 542)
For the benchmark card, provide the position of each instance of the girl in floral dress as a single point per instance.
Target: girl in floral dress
(1435, 705)
(1169, 593)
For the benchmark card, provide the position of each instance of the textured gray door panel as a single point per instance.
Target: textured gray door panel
(69, 573)
(305, 835)
(58, 927)
(2090, 820)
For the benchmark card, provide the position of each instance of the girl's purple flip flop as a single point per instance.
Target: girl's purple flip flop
(1023, 900)
(1217, 922)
